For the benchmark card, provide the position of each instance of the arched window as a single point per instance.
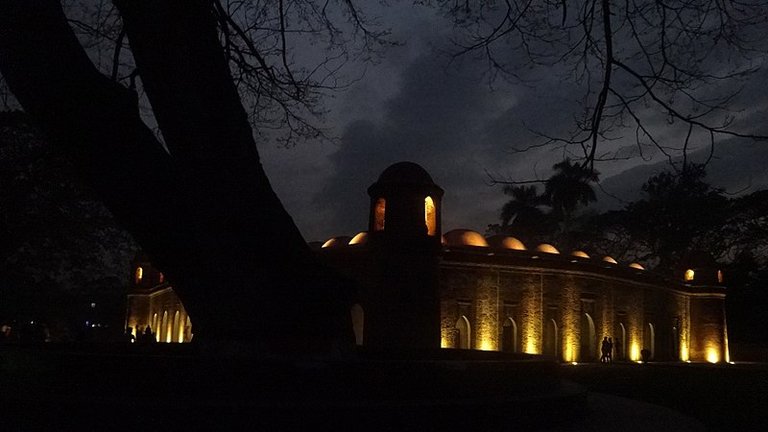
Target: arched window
(462, 325)
(430, 216)
(620, 344)
(379, 211)
(358, 322)
(689, 275)
(139, 274)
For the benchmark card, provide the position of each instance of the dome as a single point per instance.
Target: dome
(505, 242)
(336, 242)
(547, 248)
(465, 237)
(405, 173)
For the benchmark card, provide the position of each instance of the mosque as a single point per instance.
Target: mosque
(420, 288)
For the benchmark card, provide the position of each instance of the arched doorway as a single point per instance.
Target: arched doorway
(649, 340)
(509, 338)
(620, 344)
(551, 338)
(358, 322)
(163, 330)
(676, 340)
(175, 331)
(463, 336)
(588, 343)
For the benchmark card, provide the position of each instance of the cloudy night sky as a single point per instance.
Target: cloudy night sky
(460, 124)
(417, 105)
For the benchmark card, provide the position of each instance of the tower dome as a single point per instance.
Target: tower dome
(405, 205)
(406, 173)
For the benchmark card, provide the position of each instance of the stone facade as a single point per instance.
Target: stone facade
(418, 289)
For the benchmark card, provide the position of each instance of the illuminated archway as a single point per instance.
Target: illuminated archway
(620, 344)
(153, 326)
(430, 216)
(163, 330)
(464, 333)
(551, 339)
(649, 339)
(509, 339)
(175, 328)
(358, 322)
(588, 342)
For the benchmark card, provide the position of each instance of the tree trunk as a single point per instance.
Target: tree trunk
(205, 213)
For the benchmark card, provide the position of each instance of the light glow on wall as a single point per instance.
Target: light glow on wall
(487, 345)
(139, 274)
(685, 354)
(637, 266)
(609, 260)
(530, 346)
(712, 355)
(580, 254)
(634, 352)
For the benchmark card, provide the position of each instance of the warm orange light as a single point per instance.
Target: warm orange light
(609, 260)
(473, 238)
(684, 353)
(360, 238)
(688, 276)
(139, 274)
(634, 352)
(512, 243)
(712, 355)
(719, 276)
(329, 243)
(637, 266)
(379, 214)
(580, 254)
(430, 216)
(547, 248)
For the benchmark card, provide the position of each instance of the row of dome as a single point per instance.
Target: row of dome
(465, 237)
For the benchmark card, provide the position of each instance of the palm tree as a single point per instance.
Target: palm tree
(570, 187)
(523, 208)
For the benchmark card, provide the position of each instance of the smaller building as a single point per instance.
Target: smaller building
(153, 304)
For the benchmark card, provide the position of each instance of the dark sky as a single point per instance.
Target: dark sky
(416, 105)
(448, 116)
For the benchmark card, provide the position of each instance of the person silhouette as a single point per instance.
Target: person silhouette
(604, 350)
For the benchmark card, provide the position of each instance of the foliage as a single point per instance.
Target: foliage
(60, 245)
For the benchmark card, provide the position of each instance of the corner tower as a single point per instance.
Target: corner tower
(406, 206)
(404, 235)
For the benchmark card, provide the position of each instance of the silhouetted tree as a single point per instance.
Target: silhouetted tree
(635, 62)
(200, 205)
(570, 187)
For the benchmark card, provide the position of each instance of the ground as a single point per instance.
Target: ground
(173, 387)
